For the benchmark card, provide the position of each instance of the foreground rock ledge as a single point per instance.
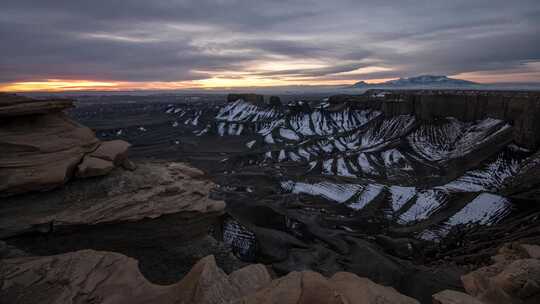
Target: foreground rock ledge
(153, 190)
(89, 276)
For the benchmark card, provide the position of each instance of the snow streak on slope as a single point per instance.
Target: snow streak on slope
(383, 162)
(290, 125)
(363, 159)
(489, 177)
(485, 209)
(450, 138)
(335, 192)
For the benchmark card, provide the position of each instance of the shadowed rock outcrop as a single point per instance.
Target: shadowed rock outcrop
(160, 214)
(42, 148)
(525, 185)
(256, 99)
(153, 190)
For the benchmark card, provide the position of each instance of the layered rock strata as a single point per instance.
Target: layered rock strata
(521, 109)
(42, 148)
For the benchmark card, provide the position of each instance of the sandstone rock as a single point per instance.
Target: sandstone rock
(512, 279)
(309, 287)
(362, 290)
(93, 166)
(41, 147)
(90, 276)
(154, 190)
(520, 279)
(40, 152)
(206, 283)
(104, 277)
(80, 277)
(15, 105)
(115, 151)
(454, 297)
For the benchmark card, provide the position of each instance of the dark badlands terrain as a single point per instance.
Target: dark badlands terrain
(411, 189)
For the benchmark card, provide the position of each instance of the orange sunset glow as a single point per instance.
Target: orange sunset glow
(188, 45)
(59, 85)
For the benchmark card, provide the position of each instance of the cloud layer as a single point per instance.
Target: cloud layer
(285, 41)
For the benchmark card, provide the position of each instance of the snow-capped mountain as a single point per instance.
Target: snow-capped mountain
(419, 81)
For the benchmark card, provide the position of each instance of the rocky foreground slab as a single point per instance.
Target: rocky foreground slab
(103, 277)
(154, 190)
(90, 276)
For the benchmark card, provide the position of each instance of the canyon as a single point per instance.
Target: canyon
(411, 189)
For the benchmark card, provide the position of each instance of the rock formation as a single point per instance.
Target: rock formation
(256, 99)
(513, 278)
(105, 277)
(152, 191)
(253, 98)
(521, 109)
(42, 148)
(525, 185)
(160, 214)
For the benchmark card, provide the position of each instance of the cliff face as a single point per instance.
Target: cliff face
(520, 109)
(255, 99)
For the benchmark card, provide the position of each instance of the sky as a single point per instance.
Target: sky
(175, 44)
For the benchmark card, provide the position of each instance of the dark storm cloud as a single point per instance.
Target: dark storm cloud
(171, 40)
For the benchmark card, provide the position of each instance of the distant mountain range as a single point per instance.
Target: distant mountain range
(419, 81)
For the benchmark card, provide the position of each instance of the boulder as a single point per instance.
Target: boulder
(514, 278)
(206, 283)
(42, 148)
(454, 297)
(93, 166)
(41, 152)
(520, 279)
(115, 151)
(354, 289)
